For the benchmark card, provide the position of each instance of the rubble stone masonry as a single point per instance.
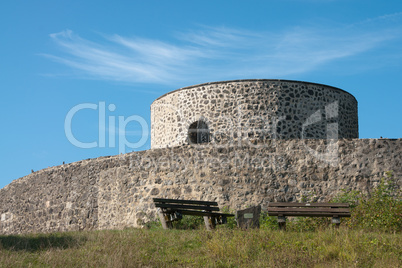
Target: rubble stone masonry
(116, 192)
(261, 109)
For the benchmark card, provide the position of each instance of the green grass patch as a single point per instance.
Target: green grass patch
(192, 248)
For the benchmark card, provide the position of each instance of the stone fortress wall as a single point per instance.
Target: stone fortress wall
(254, 110)
(116, 192)
(235, 142)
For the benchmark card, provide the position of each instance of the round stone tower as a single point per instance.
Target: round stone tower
(234, 112)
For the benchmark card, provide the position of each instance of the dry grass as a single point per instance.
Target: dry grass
(193, 248)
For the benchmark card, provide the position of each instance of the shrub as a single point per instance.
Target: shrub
(268, 222)
(231, 221)
(156, 224)
(351, 197)
(381, 210)
(189, 222)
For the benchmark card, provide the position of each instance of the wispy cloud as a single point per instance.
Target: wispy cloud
(120, 59)
(222, 53)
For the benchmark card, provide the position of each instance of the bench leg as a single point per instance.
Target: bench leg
(213, 222)
(162, 218)
(282, 222)
(336, 221)
(209, 222)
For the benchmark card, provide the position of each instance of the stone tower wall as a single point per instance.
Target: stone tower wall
(254, 110)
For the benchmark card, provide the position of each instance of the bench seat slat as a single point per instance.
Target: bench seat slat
(294, 204)
(204, 213)
(308, 209)
(308, 214)
(177, 207)
(191, 202)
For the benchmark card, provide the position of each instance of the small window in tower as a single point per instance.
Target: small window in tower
(198, 132)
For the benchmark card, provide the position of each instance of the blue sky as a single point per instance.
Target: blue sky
(122, 55)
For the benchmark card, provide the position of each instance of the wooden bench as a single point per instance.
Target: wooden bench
(170, 210)
(334, 210)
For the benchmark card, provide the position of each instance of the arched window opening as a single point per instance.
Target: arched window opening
(198, 132)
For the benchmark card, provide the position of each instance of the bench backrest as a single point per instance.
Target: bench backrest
(177, 204)
(295, 204)
(309, 209)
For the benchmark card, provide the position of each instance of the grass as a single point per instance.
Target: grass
(192, 248)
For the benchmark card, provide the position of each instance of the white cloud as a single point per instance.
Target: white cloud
(221, 53)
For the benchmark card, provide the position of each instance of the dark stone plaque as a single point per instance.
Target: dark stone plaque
(249, 217)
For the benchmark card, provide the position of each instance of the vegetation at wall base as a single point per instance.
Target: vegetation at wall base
(380, 210)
